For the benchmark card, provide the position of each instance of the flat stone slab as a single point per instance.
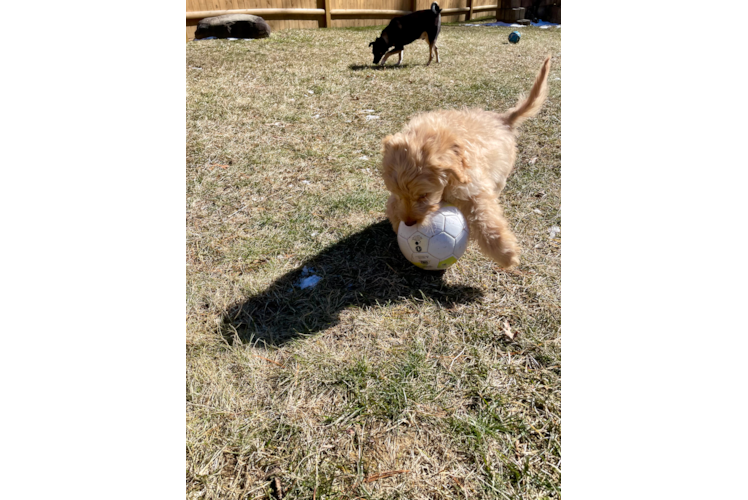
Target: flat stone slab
(233, 26)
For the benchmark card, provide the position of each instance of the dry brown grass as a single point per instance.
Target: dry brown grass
(383, 381)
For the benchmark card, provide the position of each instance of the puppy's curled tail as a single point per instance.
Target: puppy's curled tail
(531, 106)
(435, 8)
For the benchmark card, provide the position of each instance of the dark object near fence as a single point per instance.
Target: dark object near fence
(233, 26)
(535, 10)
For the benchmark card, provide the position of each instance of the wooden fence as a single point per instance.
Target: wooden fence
(287, 14)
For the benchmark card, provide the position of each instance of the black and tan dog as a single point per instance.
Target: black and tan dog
(422, 24)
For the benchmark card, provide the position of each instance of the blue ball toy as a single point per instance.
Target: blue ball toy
(514, 36)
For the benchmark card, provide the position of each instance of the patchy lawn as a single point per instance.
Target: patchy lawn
(382, 381)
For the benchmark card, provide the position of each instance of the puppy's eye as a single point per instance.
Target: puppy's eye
(422, 197)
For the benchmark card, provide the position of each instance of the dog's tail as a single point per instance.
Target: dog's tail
(531, 106)
(435, 8)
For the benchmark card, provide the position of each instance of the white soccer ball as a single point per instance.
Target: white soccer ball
(438, 241)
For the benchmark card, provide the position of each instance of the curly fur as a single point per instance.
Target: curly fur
(462, 157)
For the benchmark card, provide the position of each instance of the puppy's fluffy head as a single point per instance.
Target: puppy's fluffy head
(416, 169)
(379, 49)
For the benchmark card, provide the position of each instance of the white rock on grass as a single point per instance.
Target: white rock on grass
(306, 280)
(309, 282)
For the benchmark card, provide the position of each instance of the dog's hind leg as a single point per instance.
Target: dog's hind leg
(433, 49)
(491, 230)
(400, 60)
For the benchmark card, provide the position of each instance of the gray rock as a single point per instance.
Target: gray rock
(233, 26)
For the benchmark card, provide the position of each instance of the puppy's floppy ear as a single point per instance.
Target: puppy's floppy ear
(448, 157)
(457, 166)
(393, 142)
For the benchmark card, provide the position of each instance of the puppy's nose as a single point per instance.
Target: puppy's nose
(409, 222)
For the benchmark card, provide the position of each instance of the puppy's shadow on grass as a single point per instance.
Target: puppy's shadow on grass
(376, 67)
(363, 270)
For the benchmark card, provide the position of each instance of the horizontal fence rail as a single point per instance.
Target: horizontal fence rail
(335, 12)
(368, 12)
(485, 7)
(256, 12)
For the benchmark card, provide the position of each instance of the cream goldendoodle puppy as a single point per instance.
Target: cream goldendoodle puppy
(464, 158)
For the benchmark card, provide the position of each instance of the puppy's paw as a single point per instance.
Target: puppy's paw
(508, 258)
(502, 248)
